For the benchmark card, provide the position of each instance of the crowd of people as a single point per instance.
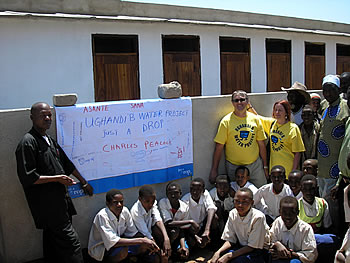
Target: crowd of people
(284, 197)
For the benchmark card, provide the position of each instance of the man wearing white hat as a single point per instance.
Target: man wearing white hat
(334, 116)
(297, 97)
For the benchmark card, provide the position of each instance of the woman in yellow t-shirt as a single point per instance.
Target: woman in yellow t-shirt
(286, 143)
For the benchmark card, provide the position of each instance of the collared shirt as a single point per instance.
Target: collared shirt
(198, 211)
(299, 195)
(227, 203)
(49, 203)
(248, 184)
(300, 238)
(271, 199)
(251, 230)
(312, 211)
(332, 133)
(166, 213)
(310, 141)
(145, 220)
(107, 230)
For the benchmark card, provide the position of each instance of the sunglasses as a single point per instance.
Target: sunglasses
(239, 100)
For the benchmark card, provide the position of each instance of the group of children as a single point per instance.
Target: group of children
(275, 223)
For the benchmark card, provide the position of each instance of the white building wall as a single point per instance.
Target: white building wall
(331, 57)
(41, 57)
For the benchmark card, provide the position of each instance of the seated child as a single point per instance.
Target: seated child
(310, 166)
(148, 221)
(292, 240)
(343, 254)
(202, 210)
(294, 182)
(222, 195)
(175, 216)
(113, 234)
(273, 193)
(246, 232)
(242, 176)
(314, 211)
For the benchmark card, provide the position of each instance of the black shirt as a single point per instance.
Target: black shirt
(49, 203)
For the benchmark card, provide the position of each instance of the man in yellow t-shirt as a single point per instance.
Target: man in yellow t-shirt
(241, 134)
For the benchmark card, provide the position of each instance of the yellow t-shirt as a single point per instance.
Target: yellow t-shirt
(285, 140)
(240, 136)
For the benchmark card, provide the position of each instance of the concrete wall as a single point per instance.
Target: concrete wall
(21, 242)
(44, 56)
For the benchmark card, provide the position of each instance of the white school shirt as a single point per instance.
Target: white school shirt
(165, 211)
(227, 203)
(312, 210)
(198, 211)
(248, 184)
(345, 248)
(272, 200)
(107, 229)
(300, 238)
(251, 230)
(299, 196)
(145, 220)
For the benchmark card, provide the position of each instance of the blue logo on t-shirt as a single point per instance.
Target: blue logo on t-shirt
(244, 134)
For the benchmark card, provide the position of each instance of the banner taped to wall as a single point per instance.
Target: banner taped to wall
(127, 143)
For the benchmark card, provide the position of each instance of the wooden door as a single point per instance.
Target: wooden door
(278, 71)
(343, 64)
(183, 67)
(116, 77)
(234, 72)
(314, 71)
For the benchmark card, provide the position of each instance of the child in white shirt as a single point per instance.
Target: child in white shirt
(202, 210)
(273, 193)
(292, 238)
(148, 221)
(246, 232)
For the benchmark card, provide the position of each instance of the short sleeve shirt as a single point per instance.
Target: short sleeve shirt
(240, 136)
(198, 211)
(166, 213)
(145, 220)
(251, 230)
(300, 238)
(285, 140)
(107, 230)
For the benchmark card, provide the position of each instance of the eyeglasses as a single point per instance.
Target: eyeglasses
(239, 100)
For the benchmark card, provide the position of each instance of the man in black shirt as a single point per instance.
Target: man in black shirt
(43, 169)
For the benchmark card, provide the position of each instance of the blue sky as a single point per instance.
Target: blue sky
(327, 10)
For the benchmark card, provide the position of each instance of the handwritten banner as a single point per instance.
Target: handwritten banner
(127, 143)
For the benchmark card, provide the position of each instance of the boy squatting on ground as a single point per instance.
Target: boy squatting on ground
(222, 195)
(175, 215)
(113, 234)
(292, 240)
(314, 211)
(246, 232)
(202, 210)
(148, 221)
(273, 193)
